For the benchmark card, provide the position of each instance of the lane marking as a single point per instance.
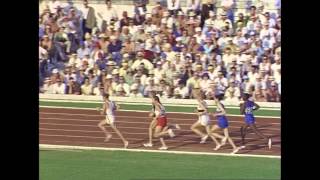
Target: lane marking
(124, 132)
(134, 122)
(121, 110)
(41, 146)
(132, 117)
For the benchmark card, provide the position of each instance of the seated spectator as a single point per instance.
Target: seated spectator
(151, 87)
(164, 90)
(142, 77)
(204, 82)
(47, 87)
(273, 94)
(134, 91)
(59, 87)
(86, 88)
(148, 65)
(129, 77)
(124, 68)
(222, 83)
(194, 81)
(123, 85)
(232, 93)
(98, 90)
(73, 87)
(259, 95)
(82, 51)
(120, 92)
(181, 91)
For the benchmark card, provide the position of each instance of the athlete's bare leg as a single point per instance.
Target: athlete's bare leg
(101, 125)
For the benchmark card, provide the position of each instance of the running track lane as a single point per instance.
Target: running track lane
(79, 127)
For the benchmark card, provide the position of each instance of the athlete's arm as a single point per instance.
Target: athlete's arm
(157, 108)
(242, 108)
(256, 106)
(204, 108)
(103, 112)
(223, 111)
(117, 106)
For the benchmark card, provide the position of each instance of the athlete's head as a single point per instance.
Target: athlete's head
(155, 99)
(246, 96)
(105, 96)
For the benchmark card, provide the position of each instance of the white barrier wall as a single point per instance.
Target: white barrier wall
(141, 100)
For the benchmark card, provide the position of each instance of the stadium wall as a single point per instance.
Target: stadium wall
(141, 100)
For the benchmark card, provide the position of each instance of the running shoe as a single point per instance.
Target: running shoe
(171, 133)
(163, 148)
(269, 143)
(148, 145)
(204, 139)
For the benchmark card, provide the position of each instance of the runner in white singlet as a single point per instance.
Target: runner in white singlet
(109, 108)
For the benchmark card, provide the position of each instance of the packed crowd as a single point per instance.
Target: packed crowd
(163, 49)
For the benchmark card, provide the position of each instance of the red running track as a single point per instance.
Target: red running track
(78, 127)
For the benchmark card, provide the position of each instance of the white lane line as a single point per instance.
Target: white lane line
(146, 123)
(131, 117)
(124, 132)
(94, 109)
(41, 146)
(142, 129)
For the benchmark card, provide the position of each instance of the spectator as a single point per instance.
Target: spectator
(115, 45)
(59, 87)
(134, 93)
(120, 92)
(232, 92)
(228, 5)
(133, 49)
(173, 6)
(246, 86)
(123, 70)
(276, 67)
(273, 94)
(181, 91)
(124, 86)
(98, 90)
(108, 14)
(151, 87)
(212, 91)
(228, 56)
(140, 34)
(207, 6)
(204, 82)
(193, 5)
(47, 87)
(86, 88)
(129, 77)
(222, 21)
(54, 6)
(265, 65)
(253, 74)
(88, 18)
(222, 83)
(194, 81)
(259, 95)
(128, 46)
(82, 51)
(164, 90)
(125, 20)
(73, 87)
(140, 60)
